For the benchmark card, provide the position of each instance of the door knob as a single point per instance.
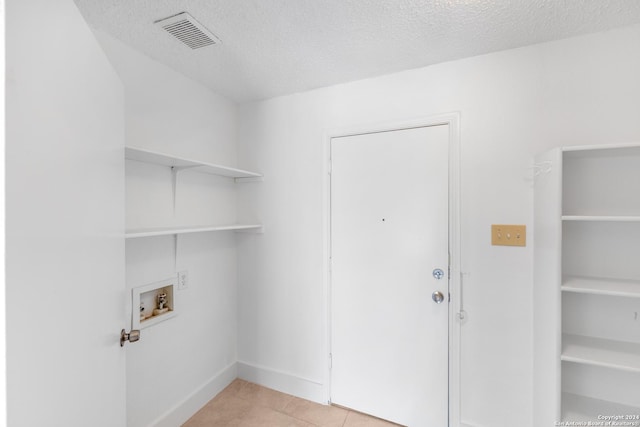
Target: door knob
(132, 336)
(437, 296)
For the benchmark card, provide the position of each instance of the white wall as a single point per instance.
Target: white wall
(178, 364)
(65, 222)
(513, 104)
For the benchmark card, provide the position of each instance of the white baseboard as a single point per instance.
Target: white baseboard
(282, 381)
(463, 424)
(191, 404)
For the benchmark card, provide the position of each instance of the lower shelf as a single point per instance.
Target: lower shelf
(600, 352)
(581, 408)
(167, 231)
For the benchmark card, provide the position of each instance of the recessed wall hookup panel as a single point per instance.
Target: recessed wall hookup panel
(154, 303)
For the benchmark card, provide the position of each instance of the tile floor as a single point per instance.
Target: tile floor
(244, 404)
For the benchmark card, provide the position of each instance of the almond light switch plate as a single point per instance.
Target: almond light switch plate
(509, 235)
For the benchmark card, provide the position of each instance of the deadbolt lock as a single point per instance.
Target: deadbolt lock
(438, 273)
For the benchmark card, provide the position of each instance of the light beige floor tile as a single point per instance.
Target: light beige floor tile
(356, 419)
(264, 396)
(222, 411)
(234, 388)
(244, 404)
(315, 413)
(261, 416)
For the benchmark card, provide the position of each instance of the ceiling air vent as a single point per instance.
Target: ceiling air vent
(189, 31)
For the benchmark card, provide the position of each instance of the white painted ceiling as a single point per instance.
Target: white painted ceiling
(277, 47)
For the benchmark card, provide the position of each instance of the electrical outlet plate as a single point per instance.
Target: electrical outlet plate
(183, 279)
(508, 235)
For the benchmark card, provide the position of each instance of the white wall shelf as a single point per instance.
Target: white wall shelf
(168, 231)
(597, 150)
(180, 164)
(157, 158)
(582, 408)
(600, 352)
(602, 218)
(602, 286)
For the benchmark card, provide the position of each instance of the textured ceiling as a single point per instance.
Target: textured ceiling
(276, 47)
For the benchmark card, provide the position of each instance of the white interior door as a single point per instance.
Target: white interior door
(389, 232)
(65, 222)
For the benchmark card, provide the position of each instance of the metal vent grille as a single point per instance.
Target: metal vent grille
(189, 31)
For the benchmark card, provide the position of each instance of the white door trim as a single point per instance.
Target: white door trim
(453, 121)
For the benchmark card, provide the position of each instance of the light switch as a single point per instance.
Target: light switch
(509, 235)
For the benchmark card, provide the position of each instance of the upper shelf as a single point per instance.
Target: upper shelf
(153, 157)
(597, 151)
(602, 218)
(167, 231)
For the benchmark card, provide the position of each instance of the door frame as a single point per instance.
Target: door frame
(453, 121)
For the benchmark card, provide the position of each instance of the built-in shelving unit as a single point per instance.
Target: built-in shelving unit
(166, 231)
(587, 284)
